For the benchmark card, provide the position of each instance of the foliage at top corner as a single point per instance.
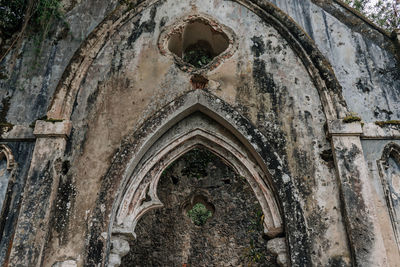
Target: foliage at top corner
(45, 12)
(11, 16)
(385, 13)
(39, 18)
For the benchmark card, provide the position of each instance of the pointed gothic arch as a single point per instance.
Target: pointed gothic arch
(196, 130)
(318, 67)
(248, 151)
(133, 206)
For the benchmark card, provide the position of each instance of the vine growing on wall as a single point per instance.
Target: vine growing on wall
(33, 18)
(45, 14)
(385, 13)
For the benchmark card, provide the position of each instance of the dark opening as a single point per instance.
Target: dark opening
(198, 43)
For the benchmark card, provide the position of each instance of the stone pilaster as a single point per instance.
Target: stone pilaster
(40, 191)
(363, 230)
(119, 248)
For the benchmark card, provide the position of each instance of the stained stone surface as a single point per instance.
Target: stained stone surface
(231, 237)
(116, 82)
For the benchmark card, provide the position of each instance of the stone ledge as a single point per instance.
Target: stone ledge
(67, 263)
(52, 129)
(19, 133)
(373, 131)
(338, 127)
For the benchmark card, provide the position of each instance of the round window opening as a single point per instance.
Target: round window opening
(197, 42)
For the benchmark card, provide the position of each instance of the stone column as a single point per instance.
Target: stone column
(363, 230)
(31, 232)
(119, 248)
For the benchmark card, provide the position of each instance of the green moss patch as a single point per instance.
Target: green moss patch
(199, 214)
(351, 118)
(390, 122)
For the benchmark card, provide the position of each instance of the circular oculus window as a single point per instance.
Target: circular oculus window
(197, 43)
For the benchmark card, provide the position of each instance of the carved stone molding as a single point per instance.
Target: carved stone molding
(140, 193)
(144, 185)
(5, 151)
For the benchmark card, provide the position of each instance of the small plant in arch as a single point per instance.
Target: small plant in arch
(199, 214)
(253, 254)
(198, 57)
(257, 221)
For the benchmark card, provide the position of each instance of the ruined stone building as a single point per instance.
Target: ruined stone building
(202, 133)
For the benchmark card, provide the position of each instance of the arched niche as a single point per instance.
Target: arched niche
(210, 217)
(196, 130)
(188, 134)
(7, 166)
(389, 167)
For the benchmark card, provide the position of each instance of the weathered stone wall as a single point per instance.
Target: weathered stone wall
(129, 81)
(122, 80)
(360, 56)
(361, 61)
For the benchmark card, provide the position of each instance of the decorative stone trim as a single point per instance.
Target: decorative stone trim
(6, 151)
(67, 263)
(338, 127)
(319, 68)
(179, 26)
(18, 133)
(133, 205)
(373, 131)
(52, 129)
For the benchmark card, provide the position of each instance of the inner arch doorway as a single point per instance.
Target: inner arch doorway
(175, 186)
(210, 217)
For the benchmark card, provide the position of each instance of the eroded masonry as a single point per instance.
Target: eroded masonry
(202, 133)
